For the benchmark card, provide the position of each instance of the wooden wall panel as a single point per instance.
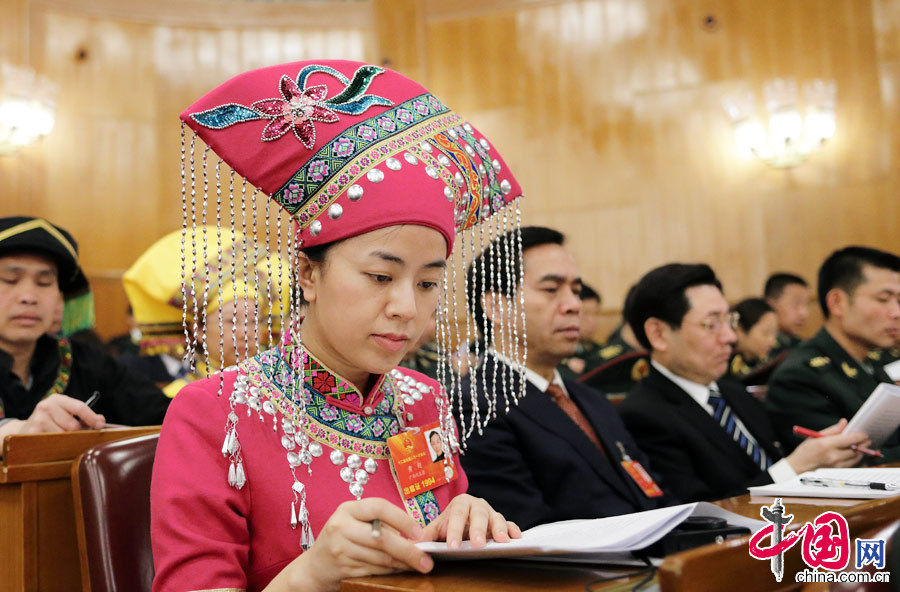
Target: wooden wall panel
(608, 110)
(614, 125)
(110, 171)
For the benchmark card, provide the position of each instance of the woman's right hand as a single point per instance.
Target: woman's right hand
(346, 547)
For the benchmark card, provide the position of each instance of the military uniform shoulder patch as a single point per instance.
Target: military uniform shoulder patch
(849, 370)
(640, 369)
(819, 361)
(874, 355)
(738, 366)
(610, 351)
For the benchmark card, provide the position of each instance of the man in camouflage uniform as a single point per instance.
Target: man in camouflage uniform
(830, 376)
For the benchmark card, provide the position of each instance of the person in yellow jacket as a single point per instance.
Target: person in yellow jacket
(236, 298)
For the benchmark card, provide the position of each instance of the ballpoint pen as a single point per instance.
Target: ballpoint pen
(826, 482)
(801, 431)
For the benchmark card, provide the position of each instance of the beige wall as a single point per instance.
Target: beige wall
(609, 111)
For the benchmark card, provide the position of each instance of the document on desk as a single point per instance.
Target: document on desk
(879, 416)
(599, 537)
(833, 488)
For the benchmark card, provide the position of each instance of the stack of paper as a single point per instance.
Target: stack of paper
(794, 488)
(596, 538)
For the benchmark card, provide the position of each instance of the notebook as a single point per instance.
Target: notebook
(794, 488)
(600, 539)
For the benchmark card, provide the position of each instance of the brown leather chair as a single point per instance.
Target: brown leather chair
(111, 487)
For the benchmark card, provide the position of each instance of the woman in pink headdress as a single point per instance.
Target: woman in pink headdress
(279, 473)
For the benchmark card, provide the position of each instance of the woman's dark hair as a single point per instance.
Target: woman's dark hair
(661, 294)
(315, 254)
(750, 310)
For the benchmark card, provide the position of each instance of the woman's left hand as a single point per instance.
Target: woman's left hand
(472, 518)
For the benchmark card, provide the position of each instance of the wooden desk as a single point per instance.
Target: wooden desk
(38, 546)
(689, 570)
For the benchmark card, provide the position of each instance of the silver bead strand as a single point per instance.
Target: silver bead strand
(219, 276)
(507, 289)
(190, 352)
(246, 253)
(184, 225)
(269, 271)
(234, 257)
(205, 275)
(494, 272)
(484, 330)
(519, 254)
(280, 277)
(479, 362)
(254, 222)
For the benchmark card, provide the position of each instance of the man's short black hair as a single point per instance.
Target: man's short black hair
(497, 265)
(777, 282)
(750, 311)
(661, 294)
(588, 293)
(843, 269)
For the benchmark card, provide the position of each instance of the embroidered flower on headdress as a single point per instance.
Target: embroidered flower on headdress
(296, 111)
(300, 106)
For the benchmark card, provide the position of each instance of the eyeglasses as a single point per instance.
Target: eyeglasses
(714, 324)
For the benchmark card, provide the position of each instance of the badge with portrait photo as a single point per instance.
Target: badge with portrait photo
(418, 457)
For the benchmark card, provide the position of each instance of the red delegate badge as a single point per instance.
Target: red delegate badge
(419, 460)
(642, 478)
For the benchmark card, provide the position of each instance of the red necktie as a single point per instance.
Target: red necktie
(571, 409)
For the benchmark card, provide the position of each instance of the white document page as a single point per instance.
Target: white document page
(794, 488)
(616, 534)
(893, 370)
(879, 416)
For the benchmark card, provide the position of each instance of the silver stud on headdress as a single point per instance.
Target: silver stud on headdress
(354, 193)
(375, 176)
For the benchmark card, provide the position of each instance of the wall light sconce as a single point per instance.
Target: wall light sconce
(789, 131)
(27, 107)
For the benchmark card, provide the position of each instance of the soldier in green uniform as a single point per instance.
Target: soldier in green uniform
(621, 360)
(788, 294)
(830, 376)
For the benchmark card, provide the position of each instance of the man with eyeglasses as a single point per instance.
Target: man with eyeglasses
(707, 437)
(831, 375)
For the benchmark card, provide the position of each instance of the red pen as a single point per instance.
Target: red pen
(801, 431)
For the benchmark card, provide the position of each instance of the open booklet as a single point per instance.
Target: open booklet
(879, 416)
(600, 538)
(836, 483)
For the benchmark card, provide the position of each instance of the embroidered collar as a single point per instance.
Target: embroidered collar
(338, 391)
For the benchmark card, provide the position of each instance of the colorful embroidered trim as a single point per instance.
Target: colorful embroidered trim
(65, 369)
(349, 156)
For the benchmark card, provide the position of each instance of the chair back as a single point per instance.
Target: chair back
(111, 489)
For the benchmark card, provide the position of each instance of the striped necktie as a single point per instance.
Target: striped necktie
(723, 414)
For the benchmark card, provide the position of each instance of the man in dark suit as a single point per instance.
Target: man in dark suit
(831, 375)
(707, 437)
(562, 452)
